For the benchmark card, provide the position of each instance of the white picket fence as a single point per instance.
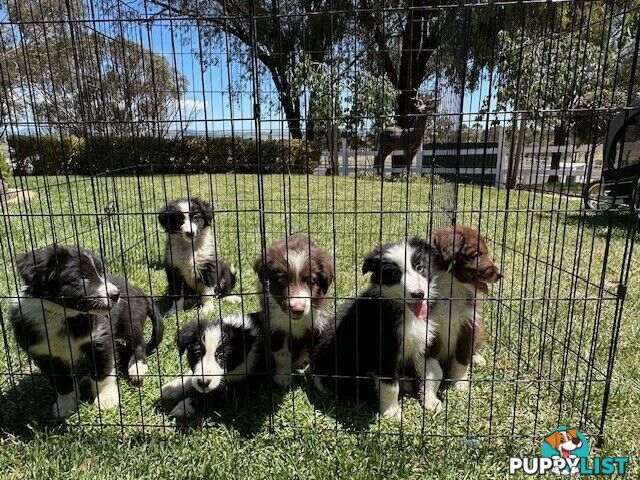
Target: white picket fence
(535, 168)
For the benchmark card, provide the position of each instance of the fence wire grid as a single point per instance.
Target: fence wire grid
(357, 124)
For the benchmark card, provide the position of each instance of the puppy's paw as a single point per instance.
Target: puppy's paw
(235, 299)
(64, 406)
(461, 385)
(137, 371)
(394, 412)
(174, 390)
(173, 311)
(184, 409)
(431, 402)
(478, 360)
(107, 396)
(208, 308)
(283, 380)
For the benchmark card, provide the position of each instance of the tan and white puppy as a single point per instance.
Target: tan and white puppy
(465, 268)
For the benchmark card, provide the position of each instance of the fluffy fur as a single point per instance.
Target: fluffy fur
(465, 268)
(382, 333)
(220, 354)
(295, 276)
(67, 315)
(193, 268)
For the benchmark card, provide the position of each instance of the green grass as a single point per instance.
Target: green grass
(550, 329)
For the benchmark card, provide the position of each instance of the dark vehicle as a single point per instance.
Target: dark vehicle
(619, 185)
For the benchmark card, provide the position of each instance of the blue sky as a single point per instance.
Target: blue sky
(206, 103)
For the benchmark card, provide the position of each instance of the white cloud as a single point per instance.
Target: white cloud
(192, 109)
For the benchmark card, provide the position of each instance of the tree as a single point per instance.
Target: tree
(407, 37)
(69, 76)
(572, 60)
(284, 35)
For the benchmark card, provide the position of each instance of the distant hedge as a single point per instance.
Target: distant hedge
(53, 155)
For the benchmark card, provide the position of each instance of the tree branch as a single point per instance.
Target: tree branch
(380, 42)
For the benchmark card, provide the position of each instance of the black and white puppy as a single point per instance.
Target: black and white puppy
(220, 354)
(294, 275)
(69, 314)
(191, 262)
(382, 333)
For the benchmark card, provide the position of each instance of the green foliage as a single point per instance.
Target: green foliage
(90, 84)
(583, 69)
(4, 168)
(53, 155)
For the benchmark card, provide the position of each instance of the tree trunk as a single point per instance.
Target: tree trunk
(559, 139)
(333, 142)
(310, 129)
(516, 159)
(3, 191)
(292, 114)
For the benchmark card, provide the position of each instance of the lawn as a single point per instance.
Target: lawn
(550, 324)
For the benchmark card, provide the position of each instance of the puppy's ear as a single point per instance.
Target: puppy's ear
(40, 267)
(449, 243)
(259, 267)
(372, 260)
(31, 268)
(59, 255)
(326, 272)
(421, 245)
(163, 219)
(207, 212)
(187, 335)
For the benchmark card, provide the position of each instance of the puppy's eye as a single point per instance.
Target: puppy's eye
(419, 268)
(197, 216)
(477, 255)
(282, 280)
(311, 281)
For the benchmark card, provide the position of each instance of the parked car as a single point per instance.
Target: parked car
(619, 184)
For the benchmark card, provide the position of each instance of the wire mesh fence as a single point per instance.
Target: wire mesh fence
(355, 124)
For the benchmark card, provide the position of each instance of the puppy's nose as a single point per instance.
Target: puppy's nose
(575, 441)
(190, 234)
(297, 308)
(203, 382)
(114, 297)
(417, 294)
(499, 276)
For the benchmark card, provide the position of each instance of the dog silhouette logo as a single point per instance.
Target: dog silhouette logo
(565, 451)
(567, 444)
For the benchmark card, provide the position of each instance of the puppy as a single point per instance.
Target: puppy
(191, 264)
(465, 267)
(295, 276)
(219, 354)
(67, 315)
(383, 332)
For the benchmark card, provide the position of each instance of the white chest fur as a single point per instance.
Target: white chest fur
(416, 334)
(453, 309)
(49, 322)
(189, 258)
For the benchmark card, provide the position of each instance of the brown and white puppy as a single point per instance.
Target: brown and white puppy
(465, 268)
(294, 275)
